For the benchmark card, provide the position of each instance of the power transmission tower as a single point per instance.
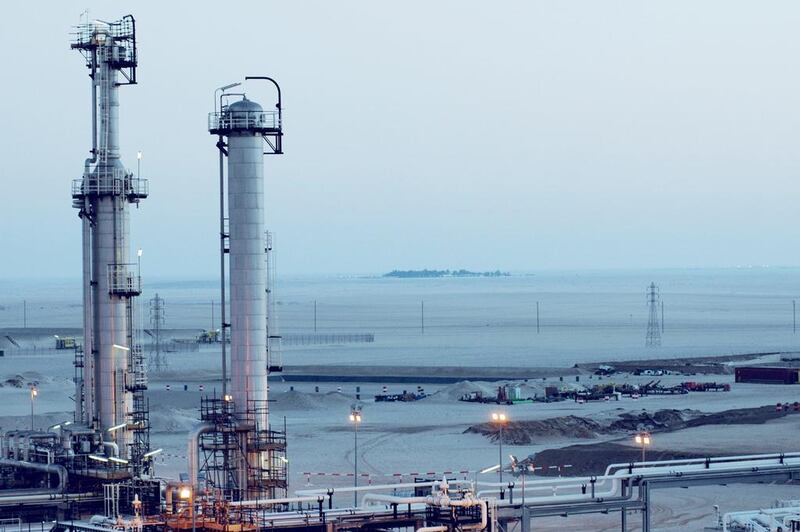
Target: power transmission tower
(156, 362)
(653, 325)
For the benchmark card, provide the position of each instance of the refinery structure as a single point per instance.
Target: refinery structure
(100, 463)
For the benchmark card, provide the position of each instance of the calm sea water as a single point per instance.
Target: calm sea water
(584, 316)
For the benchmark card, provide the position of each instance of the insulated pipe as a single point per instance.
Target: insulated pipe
(113, 446)
(52, 469)
(84, 391)
(84, 404)
(171, 487)
(443, 501)
(16, 500)
(10, 445)
(702, 461)
(431, 484)
(743, 517)
(468, 502)
(271, 502)
(193, 454)
(391, 499)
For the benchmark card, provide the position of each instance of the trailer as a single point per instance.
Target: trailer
(768, 375)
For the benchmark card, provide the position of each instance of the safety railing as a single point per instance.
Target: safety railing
(244, 120)
(111, 185)
(96, 32)
(122, 281)
(136, 368)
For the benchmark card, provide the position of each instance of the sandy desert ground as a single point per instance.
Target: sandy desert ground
(427, 436)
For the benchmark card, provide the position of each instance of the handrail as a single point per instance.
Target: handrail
(244, 120)
(122, 280)
(107, 185)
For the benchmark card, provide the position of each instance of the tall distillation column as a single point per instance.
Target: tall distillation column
(112, 378)
(248, 259)
(255, 465)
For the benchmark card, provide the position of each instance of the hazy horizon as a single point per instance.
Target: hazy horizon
(520, 136)
(150, 278)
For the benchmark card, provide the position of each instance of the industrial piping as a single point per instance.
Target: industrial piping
(53, 469)
(193, 453)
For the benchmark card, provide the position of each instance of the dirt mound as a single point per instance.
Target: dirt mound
(15, 382)
(592, 459)
(454, 392)
(660, 420)
(740, 416)
(295, 400)
(528, 432)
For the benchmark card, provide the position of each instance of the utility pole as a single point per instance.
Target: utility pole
(653, 338)
(537, 317)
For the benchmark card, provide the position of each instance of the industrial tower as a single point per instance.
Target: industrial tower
(105, 448)
(109, 396)
(653, 327)
(241, 455)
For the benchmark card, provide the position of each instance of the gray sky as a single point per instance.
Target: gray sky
(512, 135)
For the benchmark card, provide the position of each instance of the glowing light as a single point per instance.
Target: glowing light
(643, 439)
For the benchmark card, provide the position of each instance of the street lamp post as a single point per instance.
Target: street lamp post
(34, 393)
(643, 438)
(500, 419)
(355, 419)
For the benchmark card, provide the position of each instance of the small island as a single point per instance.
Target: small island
(417, 274)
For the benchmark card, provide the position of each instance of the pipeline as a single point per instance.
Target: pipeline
(614, 469)
(272, 502)
(59, 470)
(114, 448)
(619, 472)
(193, 454)
(82, 393)
(442, 500)
(751, 518)
(435, 484)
